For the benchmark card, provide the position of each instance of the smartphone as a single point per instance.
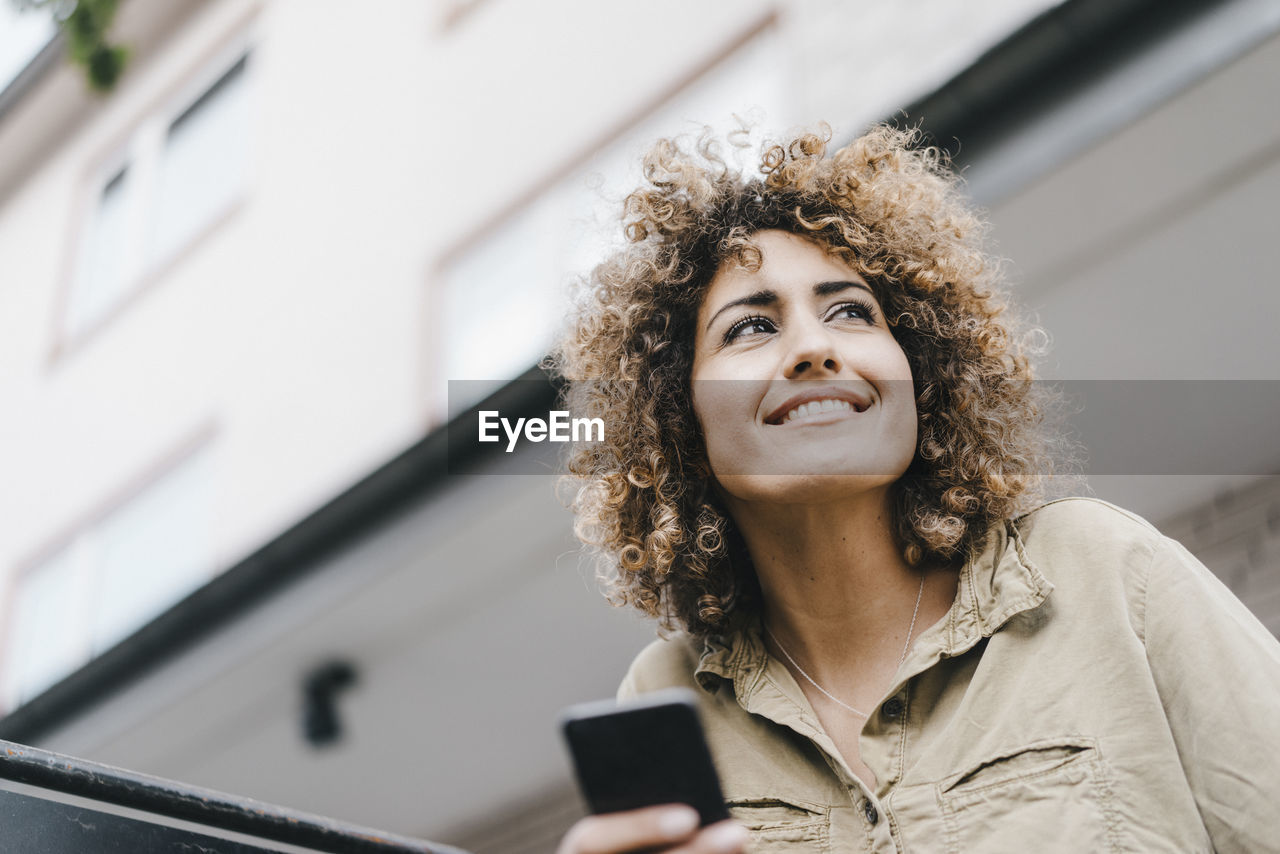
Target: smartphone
(643, 752)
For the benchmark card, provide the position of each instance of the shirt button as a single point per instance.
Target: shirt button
(869, 810)
(892, 708)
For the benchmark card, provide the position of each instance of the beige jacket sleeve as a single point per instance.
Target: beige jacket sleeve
(1217, 669)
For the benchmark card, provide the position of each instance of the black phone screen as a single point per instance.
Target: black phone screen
(642, 753)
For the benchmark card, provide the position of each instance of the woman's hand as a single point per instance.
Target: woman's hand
(670, 828)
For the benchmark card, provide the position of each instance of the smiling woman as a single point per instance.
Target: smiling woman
(824, 480)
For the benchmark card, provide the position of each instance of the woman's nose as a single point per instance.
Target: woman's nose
(812, 354)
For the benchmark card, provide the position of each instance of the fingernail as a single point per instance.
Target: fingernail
(678, 822)
(729, 836)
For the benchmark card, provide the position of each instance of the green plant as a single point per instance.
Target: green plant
(86, 24)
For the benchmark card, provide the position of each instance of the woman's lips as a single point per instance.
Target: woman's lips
(816, 403)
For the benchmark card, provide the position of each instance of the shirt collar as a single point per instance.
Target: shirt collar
(997, 583)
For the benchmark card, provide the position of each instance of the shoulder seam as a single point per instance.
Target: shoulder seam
(1146, 595)
(1090, 500)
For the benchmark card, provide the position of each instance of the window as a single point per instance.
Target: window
(102, 275)
(501, 300)
(24, 32)
(203, 164)
(111, 578)
(47, 604)
(179, 172)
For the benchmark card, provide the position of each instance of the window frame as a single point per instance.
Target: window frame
(140, 148)
(201, 440)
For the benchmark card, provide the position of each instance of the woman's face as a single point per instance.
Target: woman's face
(802, 392)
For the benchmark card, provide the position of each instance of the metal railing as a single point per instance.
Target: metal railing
(55, 804)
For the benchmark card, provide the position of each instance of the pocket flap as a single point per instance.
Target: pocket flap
(764, 813)
(1041, 757)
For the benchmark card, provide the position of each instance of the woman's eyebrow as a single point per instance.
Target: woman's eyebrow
(824, 289)
(759, 298)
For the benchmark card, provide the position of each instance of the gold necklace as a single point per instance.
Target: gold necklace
(911, 629)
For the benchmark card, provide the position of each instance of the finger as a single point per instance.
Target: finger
(633, 830)
(723, 837)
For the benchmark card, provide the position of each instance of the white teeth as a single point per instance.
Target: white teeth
(816, 407)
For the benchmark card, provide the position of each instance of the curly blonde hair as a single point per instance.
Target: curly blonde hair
(892, 211)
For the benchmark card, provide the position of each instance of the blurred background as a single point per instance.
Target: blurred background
(235, 288)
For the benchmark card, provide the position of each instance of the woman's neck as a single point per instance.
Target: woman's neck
(837, 591)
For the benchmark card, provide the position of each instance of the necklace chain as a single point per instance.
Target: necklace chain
(910, 630)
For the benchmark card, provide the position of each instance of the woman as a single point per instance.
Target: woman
(823, 468)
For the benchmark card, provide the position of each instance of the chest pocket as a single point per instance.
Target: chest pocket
(777, 825)
(1051, 796)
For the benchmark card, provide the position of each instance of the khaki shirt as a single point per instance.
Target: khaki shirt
(1093, 688)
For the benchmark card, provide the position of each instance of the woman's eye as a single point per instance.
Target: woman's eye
(749, 326)
(854, 311)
